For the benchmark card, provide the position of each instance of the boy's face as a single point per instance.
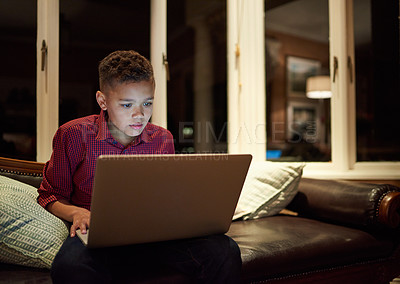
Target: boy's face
(129, 107)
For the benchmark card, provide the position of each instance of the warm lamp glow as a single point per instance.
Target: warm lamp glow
(319, 87)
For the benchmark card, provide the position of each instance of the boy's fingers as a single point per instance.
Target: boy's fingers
(73, 230)
(74, 227)
(83, 228)
(80, 222)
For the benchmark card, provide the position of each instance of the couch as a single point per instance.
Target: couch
(332, 231)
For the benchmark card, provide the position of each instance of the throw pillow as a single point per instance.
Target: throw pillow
(269, 187)
(29, 234)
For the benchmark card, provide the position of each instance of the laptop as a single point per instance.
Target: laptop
(151, 198)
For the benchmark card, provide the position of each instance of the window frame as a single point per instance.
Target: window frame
(158, 55)
(47, 82)
(246, 78)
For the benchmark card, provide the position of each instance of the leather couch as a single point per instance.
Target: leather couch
(333, 231)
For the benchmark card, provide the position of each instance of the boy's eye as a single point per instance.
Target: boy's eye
(146, 104)
(126, 105)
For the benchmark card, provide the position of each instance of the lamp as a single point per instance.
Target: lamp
(319, 87)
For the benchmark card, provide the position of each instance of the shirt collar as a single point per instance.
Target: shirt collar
(105, 134)
(144, 136)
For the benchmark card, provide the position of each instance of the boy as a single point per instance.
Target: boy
(126, 97)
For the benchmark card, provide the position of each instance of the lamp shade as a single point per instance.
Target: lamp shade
(319, 87)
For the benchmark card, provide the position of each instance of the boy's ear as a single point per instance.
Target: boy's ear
(101, 100)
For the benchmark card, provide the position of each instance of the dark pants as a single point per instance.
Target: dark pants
(211, 259)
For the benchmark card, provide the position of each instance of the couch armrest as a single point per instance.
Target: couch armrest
(360, 204)
(25, 171)
(389, 209)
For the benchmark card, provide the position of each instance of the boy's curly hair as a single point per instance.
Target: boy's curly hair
(124, 66)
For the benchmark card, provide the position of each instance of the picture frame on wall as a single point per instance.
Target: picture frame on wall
(298, 69)
(303, 123)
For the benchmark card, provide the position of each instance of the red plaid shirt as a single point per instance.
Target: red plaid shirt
(70, 171)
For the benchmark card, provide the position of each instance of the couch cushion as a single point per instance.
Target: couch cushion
(269, 187)
(29, 235)
(284, 245)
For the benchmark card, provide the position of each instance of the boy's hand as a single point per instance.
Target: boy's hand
(78, 216)
(80, 220)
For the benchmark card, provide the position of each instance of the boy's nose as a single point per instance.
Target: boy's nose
(137, 111)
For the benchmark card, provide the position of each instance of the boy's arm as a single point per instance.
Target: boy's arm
(57, 184)
(58, 172)
(78, 216)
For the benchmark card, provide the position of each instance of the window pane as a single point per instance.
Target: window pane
(297, 47)
(197, 89)
(18, 79)
(90, 30)
(377, 79)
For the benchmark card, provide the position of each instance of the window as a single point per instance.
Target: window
(89, 30)
(197, 101)
(297, 47)
(376, 35)
(345, 106)
(351, 127)
(18, 79)
(364, 93)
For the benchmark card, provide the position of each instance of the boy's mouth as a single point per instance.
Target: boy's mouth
(136, 126)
